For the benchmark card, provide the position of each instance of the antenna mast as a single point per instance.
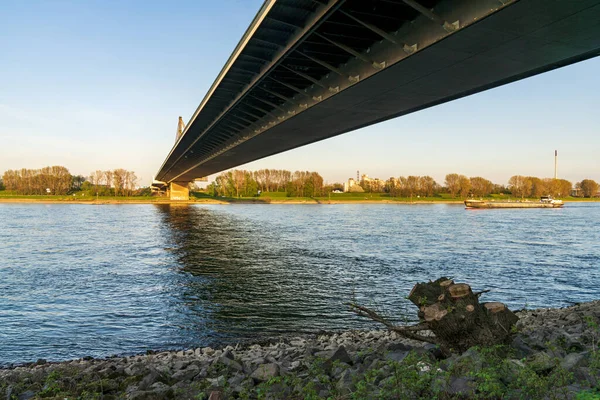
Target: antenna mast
(555, 164)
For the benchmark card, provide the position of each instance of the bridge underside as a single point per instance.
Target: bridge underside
(471, 47)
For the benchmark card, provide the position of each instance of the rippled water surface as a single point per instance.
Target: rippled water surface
(79, 280)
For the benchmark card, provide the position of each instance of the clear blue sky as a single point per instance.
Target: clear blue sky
(99, 84)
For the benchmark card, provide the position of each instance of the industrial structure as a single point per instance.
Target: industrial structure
(307, 70)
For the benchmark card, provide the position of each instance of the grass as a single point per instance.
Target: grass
(282, 197)
(80, 196)
(264, 198)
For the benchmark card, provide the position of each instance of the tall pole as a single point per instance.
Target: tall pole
(555, 164)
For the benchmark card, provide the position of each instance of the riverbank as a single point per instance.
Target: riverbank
(554, 354)
(217, 201)
(257, 200)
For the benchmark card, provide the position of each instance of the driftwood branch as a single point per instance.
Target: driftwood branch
(406, 331)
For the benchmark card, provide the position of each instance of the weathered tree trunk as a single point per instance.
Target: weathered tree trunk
(453, 313)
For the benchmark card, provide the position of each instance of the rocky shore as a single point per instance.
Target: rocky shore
(553, 355)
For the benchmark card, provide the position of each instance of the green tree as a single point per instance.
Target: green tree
(76, 182)
(481, 187)
(588, 187)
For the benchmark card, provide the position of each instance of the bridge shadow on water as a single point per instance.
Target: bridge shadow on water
(237, 280)
(233, 287)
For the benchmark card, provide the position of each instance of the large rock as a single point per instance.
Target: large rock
(574, 360)
(521, 348)
(396, 356)
(265, 372)
(149, 380)
(345, 384)
(339, 355)
(542, 363)
(461, 386)
(230, 363)
(26, 395)
(186, 374)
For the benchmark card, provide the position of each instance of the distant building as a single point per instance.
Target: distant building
(373, 184)
(350, 184)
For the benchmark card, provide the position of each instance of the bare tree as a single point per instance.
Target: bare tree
(452, 183)
(118, 181)
(520, 186)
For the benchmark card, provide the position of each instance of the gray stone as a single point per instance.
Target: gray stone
(345, 384)
(294, 365)
(461, 386)
(186, 374)
(541, 362)
(151, 395)
(470, 359)
(574, 360)
(230, 363)
(585, 374)
(9, 392)
(208, 351)
(521, 348)
(134, 369)
(236, 380)
(398, 347)
(340, 355)
(217, 382)
(26, 395)
(396, 356)
(149, 380)
(259, 360)
(182, 364)
(265, 372)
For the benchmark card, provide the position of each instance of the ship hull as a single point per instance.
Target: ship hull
(509, 204)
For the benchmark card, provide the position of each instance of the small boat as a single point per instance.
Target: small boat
(545, 202)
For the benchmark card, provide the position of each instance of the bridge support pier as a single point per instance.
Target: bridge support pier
(179, 191)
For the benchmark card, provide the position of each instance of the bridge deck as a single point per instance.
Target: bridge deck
(492, 46)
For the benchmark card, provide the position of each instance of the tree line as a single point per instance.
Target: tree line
(116, 182)
(242, 183)
(47, 180)
(57, 180)
(462, 186)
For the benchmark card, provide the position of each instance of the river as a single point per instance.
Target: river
(95, 280)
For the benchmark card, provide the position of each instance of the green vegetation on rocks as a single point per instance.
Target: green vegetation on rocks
(554, 355)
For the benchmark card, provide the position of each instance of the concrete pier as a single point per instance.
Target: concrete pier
(179, 191)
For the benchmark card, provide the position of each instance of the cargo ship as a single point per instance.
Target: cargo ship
(544, 202)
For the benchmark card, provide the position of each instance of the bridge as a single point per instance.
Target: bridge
(307, 70)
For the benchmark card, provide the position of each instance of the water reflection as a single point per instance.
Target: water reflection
(242, 280)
